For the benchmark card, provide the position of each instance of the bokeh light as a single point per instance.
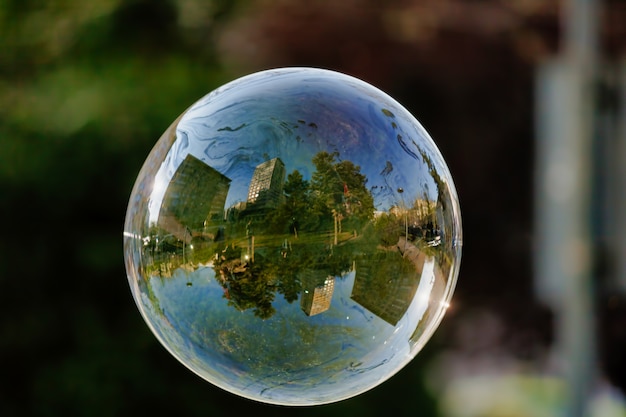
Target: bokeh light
(294, 237)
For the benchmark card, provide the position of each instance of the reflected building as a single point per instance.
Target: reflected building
(421, 211)
(233, 212)
(316, 297)
(266, 187)
(386, 293)
(424, 208)
(195, 196)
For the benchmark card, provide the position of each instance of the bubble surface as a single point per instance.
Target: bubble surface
(294, 237)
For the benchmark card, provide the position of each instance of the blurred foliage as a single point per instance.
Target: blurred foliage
(86, 89)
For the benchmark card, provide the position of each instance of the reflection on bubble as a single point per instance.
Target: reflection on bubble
(294, 237)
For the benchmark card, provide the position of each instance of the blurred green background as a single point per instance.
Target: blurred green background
(86, 89)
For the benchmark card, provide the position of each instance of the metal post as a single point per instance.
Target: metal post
(577, 330)
(565, 110)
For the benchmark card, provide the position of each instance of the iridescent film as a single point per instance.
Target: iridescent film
(294, 237)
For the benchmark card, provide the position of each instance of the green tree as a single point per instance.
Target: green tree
(296, 212)
(358, 202)
(250, 285)
(339, 188)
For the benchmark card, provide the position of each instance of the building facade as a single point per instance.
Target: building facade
(316, 297)
(266, 187)
(195, 197)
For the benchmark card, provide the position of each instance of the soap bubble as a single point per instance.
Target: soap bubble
(294, 237)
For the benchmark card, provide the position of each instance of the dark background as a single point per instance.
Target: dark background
(86, 89)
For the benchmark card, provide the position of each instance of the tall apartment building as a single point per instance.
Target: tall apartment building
(316, 296)
(387, 298)
(266, 187)
(195, 195)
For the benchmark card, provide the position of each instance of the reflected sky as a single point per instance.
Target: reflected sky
(239, 128)
(347, 341)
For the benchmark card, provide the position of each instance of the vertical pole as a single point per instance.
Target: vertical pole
(577, 331)
(565, 109)
(335, 222)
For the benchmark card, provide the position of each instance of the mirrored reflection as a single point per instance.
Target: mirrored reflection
(294, 237)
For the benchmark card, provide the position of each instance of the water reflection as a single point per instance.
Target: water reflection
(296, 244)
(289, 238)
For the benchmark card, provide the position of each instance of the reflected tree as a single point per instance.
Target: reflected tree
(339, 189)
(303, 233)
(247, 284)
(296, 213)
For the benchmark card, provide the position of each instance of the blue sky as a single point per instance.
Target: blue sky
(238, 127)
